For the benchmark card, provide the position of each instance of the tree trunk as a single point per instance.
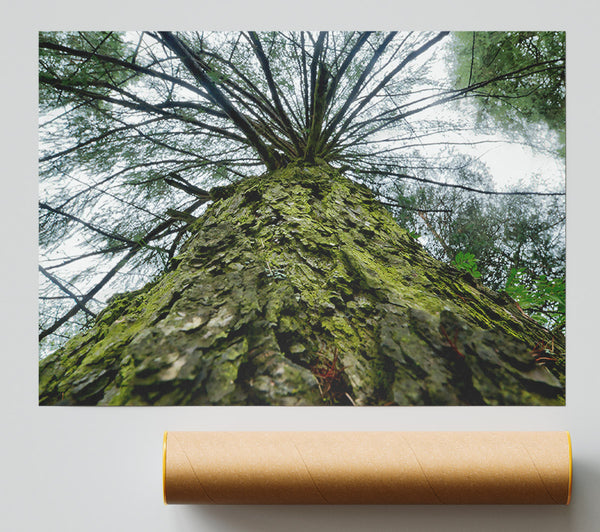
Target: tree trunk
(298, 288)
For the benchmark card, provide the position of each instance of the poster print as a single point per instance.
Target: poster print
(302, 218)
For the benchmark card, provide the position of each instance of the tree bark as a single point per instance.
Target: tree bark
(298, 288)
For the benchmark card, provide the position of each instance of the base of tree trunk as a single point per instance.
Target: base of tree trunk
(298, 288)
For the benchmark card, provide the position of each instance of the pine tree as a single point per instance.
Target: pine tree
(295, 284)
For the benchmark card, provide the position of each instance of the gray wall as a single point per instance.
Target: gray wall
(97, 469)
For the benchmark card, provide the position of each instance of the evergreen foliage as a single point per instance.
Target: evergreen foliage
(531, 98)
(138, 131)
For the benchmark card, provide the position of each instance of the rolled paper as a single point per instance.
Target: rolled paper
(367, 467)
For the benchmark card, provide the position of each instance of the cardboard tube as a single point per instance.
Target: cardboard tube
(367, 467)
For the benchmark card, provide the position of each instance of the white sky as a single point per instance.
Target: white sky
(511, 164)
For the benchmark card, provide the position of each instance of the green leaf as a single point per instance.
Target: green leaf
(466, 262)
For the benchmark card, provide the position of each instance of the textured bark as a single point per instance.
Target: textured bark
(298, 288)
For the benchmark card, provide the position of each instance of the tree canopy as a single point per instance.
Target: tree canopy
(523, 99)
(138, 129)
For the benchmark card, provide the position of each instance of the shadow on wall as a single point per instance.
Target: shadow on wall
(483, 518)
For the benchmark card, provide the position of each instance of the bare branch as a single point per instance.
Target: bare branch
(462, 187)
(108, 276)
(266, 67)
(112, 236)
(139, 105)
(60, 285)
(219, 98)
(410, 57)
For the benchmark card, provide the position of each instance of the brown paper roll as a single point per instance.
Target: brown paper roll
(367, 467)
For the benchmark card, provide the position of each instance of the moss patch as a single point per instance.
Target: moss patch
(294, 278)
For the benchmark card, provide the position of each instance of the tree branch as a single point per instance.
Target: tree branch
(55, 281)
(92, 140)
(462, 187)
(187, 58)
(139, 105)
(266, 67)
(112, 236)
(132, 252)
(357, 87)
(182, 184)
(410, 57)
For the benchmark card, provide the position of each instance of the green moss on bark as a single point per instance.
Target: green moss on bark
(282, 272)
